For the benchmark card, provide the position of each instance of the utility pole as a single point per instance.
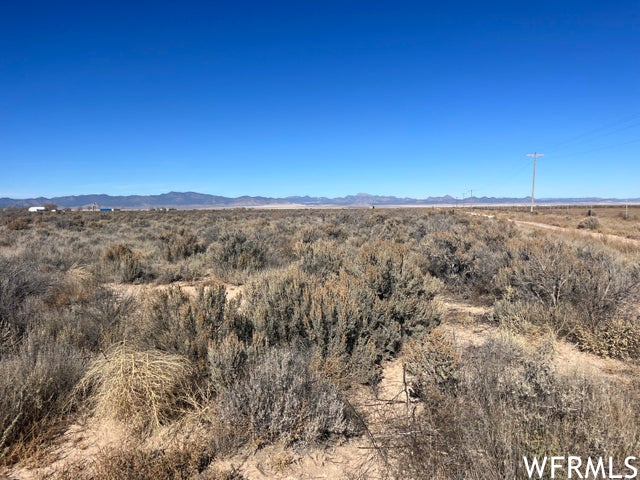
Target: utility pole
(535, 156)
(471, 198)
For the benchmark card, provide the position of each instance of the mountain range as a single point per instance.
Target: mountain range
(186, 200)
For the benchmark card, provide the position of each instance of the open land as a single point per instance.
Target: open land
(317, 343)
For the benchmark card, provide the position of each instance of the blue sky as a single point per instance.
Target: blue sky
(320, 97)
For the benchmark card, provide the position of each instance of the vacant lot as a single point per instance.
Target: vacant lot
(311, 343)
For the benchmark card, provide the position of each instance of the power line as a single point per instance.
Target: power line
(607, 126)
(605, 147)
(599, 136)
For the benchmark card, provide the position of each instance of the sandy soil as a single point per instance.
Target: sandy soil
(190, 288)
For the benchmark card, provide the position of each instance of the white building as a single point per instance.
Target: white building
(36, 209)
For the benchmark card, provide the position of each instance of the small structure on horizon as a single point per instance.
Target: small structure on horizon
(37, 209)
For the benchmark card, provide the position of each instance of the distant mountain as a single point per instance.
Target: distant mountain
(184, 200)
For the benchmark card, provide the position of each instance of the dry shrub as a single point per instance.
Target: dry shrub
(617, 338)
(280, 399)
(581, 293)
(241, 252)
(35, 385)
(534, 319)
(141, 389)
(356, 320)
(21, 282)
(510, 403)
(178, 323)
(595, 281)
(18, 224)
(464, 254)
(433, 363)
(76, 286)
(228, 359)
(181, 244)
(123, 262)
(321, 258)
(106, 314)
(589, 223)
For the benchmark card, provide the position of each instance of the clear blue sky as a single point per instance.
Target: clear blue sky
(320, 97)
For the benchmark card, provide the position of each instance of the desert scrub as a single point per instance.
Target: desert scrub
(20, 223)
(22, 284)
(321, 258)
(179, 245)
(616, 338)
(175, 322)
(141, 389)
(433, 363)
(511, 402)
(280, 399)
(228, 360)
(123, 262)
(35, 385)
(466, 255)
(579, 291)
(240, 252)
(356, 320)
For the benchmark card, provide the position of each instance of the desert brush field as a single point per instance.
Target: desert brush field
(356, 343)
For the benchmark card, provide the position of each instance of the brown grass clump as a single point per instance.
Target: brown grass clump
(123, 262)
(142, 389)
(76, 286)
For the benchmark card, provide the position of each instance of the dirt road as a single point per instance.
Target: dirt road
(605, 237)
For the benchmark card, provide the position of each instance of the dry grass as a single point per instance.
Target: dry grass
(141, 389)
